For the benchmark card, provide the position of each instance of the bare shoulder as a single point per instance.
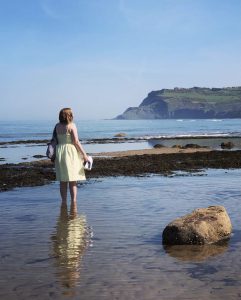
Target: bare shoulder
(72, 127)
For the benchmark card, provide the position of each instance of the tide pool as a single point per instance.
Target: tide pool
(121, 256)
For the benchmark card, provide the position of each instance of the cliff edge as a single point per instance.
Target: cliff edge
(182, 103)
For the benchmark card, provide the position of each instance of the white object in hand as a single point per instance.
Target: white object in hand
(88, 164)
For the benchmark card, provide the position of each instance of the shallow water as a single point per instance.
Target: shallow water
(25, 152)
(111, 247)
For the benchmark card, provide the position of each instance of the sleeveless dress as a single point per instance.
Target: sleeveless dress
(68, 162)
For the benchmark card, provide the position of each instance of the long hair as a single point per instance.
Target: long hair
(66, 116)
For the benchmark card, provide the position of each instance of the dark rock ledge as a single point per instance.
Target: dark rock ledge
(42, 172)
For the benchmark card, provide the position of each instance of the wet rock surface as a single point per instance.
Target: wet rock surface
(39, 156)
(158, 146)
(42, 172)
(203, 226)
(120, 135)
(227, 145)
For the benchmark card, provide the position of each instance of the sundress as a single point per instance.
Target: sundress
(68, 162)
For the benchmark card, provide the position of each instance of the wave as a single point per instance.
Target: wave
(215, 135)
(190, 135)
(195, 120)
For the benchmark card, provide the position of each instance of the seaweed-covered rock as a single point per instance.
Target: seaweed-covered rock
(39, 156)
(227, 145)
(157, 146)
(177, 146)
(193, 146)
(203, 226)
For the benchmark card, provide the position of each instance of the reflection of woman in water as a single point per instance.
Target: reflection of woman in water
(69, 243)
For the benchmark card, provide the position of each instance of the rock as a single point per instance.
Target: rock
(202, 226)
(121, 134)
(177, 146)
(158, 146)
(194, 146)
(227, 145)
(39, 156)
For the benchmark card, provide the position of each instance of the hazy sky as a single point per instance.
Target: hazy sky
(101, 56)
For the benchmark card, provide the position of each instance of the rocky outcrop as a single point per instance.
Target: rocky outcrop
(202, 226)
(227, 145)
(42, 172)
(180, 103)
(120, 135)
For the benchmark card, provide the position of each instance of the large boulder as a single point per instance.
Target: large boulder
(203, 226)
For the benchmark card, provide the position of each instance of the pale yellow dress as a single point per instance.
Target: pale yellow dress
(68, 162)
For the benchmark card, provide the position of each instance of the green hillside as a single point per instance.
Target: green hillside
(195, 102)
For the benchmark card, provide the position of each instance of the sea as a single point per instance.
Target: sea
(109, 247)
(99, 135)
(101, 129)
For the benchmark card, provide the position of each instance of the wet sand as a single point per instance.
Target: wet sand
(162, 150)
(162, 161)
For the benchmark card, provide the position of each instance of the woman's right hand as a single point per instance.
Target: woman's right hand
(86, 158)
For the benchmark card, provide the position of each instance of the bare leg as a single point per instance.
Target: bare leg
(73, 190)
(63, 191)
(73, 210)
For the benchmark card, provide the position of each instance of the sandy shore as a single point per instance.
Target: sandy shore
(163, 150)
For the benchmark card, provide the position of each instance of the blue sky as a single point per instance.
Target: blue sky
(101, 56)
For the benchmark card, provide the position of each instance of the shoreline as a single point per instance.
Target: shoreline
(128, 139)
(163, 161)
(155, 151)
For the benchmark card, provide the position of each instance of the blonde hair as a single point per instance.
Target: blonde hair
(65, 116)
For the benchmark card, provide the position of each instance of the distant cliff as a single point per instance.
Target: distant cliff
(181, 103)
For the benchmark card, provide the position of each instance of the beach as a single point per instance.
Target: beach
(110, 245)
(150, 90)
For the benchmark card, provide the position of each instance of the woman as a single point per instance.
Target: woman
(70, 155)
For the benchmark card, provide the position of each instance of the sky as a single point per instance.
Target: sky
(100, 57)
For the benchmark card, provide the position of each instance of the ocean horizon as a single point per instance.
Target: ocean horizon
(93, 129)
